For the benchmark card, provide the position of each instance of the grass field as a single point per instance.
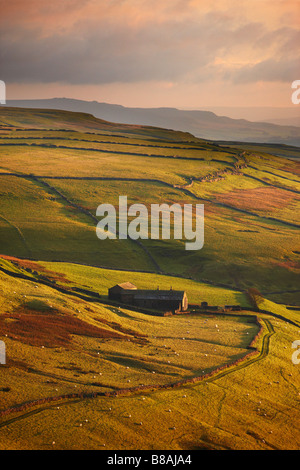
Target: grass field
(65, 354)
(83, 373)
(251, 199)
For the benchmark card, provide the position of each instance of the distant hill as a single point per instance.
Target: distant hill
(204, 124)
(283, 116)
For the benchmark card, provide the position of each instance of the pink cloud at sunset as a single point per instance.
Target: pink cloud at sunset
(166, 53)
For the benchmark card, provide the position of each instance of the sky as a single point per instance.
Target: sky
(152, 53)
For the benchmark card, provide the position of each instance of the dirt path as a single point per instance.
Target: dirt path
(36, 411)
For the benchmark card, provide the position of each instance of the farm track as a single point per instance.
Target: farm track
(201, 380)
(52, 402)
(36, 411)
(262, 354)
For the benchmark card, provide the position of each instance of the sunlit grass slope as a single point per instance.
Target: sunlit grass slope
(65, 164)
(75, 341)
(65, 353)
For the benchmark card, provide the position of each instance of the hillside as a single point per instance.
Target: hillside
(62, 165)
(203, 124)
(90, 375)
(83, 372)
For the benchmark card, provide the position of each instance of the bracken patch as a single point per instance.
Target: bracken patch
(258, 199)
(295, 169)
(50, 330)
(33, 266)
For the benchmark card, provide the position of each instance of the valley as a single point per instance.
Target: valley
(83, 372)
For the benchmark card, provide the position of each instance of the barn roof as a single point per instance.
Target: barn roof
(125, 285)
(159, 294)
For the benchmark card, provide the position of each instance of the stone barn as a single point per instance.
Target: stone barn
(165, 300)
(162, 300)
(122, 292)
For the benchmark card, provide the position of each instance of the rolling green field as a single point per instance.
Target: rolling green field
(84, 373)
(50, 175)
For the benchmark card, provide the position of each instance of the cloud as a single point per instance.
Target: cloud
(269, 70)
(109, 41)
